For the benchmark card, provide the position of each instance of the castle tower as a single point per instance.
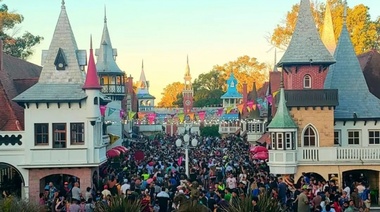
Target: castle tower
(111, 76)
(187, 92)
(145, 100)
(306, 59)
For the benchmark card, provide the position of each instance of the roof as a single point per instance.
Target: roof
(282, 118)
(230, 116)
(92, 80)
(145, 96)
(143, 85)
(232, 92)
(252, 96)
(370, 64)
(306, 46)
(312, 98)
(105, 62)
(328, 36)
(16, 76)
(355, 100)
(187, 70)
(52, 80)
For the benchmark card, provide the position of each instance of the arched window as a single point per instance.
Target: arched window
(307, 81)
(310, 137)
(96, 101)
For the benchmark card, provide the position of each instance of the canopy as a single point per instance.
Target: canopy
(261, 156)
(257, 149)
(112, 153)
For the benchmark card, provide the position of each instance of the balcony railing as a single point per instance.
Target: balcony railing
(343, 154)
(113, 89)
(228, 130)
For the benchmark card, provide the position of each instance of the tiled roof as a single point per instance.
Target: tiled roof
(355, 100)
(105, 62)
(370, 64)
(306, 46)
(232, 92)
(328, 36)
(282, 119)
(54, 83)
(17, 75)
(145, 96)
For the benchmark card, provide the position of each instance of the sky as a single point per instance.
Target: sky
(164, 32)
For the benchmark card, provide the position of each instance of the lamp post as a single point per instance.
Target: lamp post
(186, 146)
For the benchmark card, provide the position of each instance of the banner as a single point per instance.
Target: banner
(202, 115)
(103, 110)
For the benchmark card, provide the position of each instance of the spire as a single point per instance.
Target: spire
(355, 99)
(62, 55)
(306, 46)
(275, 60)
(92, 80)
(143, 84)
(282, 119)
(328, 36)
(187, 71)
(345, 12)
(106, 55)
(254, 114)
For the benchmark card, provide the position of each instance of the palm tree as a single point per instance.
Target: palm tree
(118, 204)
(265, 203)
(11, 204)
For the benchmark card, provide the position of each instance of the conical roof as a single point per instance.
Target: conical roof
(282, 118)
(252, 96)
(232, 92)
(306, 46)
(61, 77)
(92, 80)
(105, 62)
(328, 36)
(355, 100)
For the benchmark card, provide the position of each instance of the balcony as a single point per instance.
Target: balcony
(113, 89)
(349, 155)
(229, 129)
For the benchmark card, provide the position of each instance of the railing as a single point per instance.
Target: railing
(228, 130)
(344, 154)
(113, 89)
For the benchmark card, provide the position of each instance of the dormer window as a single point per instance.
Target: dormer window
(307, 81)
(232, 84)
(60, 61)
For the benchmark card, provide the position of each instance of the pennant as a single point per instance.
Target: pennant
(202, 115)
(191, 116)
(269, 99)
(141, 115)
(250, 104)
(254, 107)
(228, 109)
(240, 108)
(110, 111)
(259, 106)
(220, 111)
(113, 138)
(121, 113)
(181, 117)
(248, 109)
(131, 114)
(151, 118)
(103, 109)
(275, 93)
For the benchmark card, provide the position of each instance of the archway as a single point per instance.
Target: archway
(57, 181)
(365, 176)
(11, 180)
(312, 176)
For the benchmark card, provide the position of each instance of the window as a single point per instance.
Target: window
(337, 137)
(41, 134)
(59, 135)
(273, 136)
(374, 136)
(77, 133)
(280, 141)
(353, 137)
(309, 137)
(258, 128)
(307, 81)
(232, 84)
(288, 141)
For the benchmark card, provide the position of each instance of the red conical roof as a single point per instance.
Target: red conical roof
(92, 80)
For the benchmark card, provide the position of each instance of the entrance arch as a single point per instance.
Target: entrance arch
(11, 179)
(58, 181)
(367, 176)
(311, 175)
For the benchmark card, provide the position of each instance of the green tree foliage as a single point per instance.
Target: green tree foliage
(119, 204)
(208, 88)
(212, 130)
(21, 46)
(364, 32)
(11, 204)
(170, 95)
(266, 204)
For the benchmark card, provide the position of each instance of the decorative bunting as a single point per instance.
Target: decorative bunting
(269, 99)
(111, 111)
(181, 117)
(103, 110)
(141, 115)
(121, 113)
(275, 93)
(131, 115)
(229, 109)
(254, 107)
(240, 108)
(248, 109)
(202, 115)
(220, 111)
(191, 115)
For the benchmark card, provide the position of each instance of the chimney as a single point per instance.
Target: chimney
(1, 55)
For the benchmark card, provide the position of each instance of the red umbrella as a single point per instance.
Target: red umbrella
(112, 153)
(257, 149)
(120, 148)
(261, 156)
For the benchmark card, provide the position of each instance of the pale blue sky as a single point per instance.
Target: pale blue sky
(163, 32)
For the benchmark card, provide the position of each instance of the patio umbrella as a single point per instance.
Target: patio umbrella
(257, 149)
(120, 148)
(112, 153)
(261, 156)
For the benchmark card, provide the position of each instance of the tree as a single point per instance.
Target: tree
(363, 31)
(208, 88)
(21, 46)
(170, 93)
(246, 70)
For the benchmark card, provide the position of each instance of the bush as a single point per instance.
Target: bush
(266, 204)
(212, 130)
(12, 204)
(118, 204)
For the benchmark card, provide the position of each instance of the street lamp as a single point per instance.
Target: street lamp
(186, 146)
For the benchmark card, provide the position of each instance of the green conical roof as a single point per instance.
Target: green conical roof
(282, 119)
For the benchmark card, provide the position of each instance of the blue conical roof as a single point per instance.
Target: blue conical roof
(232, 92)
(355, 100)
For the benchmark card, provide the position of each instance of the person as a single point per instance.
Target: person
(255, 207)
(61, 205)
(74, 207)
(90, 206)
(303, 201)
(105, 191)
(88, 194)
(163, 200)
(76, 192)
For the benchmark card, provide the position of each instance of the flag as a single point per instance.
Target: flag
(113, 138)
(131, 115)
(240, 108)
(103, 110)
(110, 111)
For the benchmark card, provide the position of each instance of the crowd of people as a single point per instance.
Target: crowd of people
(222, 170)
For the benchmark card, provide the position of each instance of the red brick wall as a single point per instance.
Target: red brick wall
(294, 80)
(35, 175)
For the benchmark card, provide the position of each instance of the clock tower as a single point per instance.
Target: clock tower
(187, 92)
